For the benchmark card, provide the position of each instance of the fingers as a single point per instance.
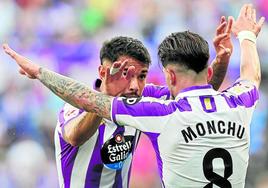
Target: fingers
(130, 72)
(9, 51)
(229, 24)
(249, 11)
(226, 51)
(243, 10)
(261, 22)
(223, 19)
(21, 71)
(113, 70)
(122, 66)
(254, 15)
(259, 25)
(218, 38)
(221, 28)
(116, 67)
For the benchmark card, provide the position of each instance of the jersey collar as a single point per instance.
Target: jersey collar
(197, 91)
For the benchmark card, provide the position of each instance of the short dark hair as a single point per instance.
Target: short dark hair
(184, 48)
(119, 46)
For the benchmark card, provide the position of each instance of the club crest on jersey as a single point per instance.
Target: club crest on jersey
(70, 113)
(241, 87)
(116, 150)
(131, 101)
(118, 138)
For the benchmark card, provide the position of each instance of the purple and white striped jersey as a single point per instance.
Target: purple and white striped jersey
(201, 138)
(105, 159)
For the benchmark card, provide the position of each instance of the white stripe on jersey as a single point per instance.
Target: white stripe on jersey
(81, 162)
(58, 156)
(107, 178)
(125, 170)
(144, 123)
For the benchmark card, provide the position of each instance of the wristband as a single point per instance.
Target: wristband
(246, 35)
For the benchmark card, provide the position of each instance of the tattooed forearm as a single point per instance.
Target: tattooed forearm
(219, 72)
(75, 93)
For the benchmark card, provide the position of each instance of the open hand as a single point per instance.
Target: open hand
(246, 21)
(222, 41)
(117, 78)
(26, 67)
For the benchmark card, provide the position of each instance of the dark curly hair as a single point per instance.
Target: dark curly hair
(184, 48)
(119, 46)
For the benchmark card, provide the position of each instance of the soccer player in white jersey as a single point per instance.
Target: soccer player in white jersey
(164, 119)
(95, 153)
(94, 146)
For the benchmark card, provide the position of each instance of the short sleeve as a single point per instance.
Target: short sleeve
(245, 95)
(146, 114)
(66, 114)
(160, 92)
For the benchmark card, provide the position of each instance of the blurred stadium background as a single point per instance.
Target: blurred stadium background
(66, 36)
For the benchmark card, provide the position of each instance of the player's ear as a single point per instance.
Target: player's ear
(101, 70)
(209, 73)
(172, 76)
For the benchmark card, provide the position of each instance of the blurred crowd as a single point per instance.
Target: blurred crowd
(66, 36)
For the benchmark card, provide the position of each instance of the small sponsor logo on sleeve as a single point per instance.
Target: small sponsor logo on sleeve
(131, 101)
(70, 113)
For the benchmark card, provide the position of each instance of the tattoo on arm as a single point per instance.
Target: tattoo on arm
(219, 72)
(76, 94)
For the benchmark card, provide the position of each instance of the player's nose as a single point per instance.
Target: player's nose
(134, 85)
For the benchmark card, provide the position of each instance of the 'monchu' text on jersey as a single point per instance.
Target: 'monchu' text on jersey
(213, 127)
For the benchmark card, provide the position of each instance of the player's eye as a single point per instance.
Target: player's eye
(142, 77)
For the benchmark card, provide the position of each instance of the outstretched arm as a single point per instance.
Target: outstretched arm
(247, 29)
(73, 92)
(224, 48)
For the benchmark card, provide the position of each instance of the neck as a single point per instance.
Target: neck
(188, 79)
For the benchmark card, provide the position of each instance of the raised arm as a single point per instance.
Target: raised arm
(247, 29)
(224, 48)
(80, 128)
(73, 92)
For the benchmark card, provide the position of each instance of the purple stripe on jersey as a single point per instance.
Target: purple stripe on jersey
(156, 91)
(246, 99)
(211, 104)
(153, 137)
(95, 165)
(68, 155)
(149, 108)
(101, 133)
(118, 179)
(184, 105)
(114, 110)
(230, 101)
(119, 129)
(196, 87)
(136, 141)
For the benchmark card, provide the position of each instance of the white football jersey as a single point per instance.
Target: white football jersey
(105, 159)
(201, 138)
